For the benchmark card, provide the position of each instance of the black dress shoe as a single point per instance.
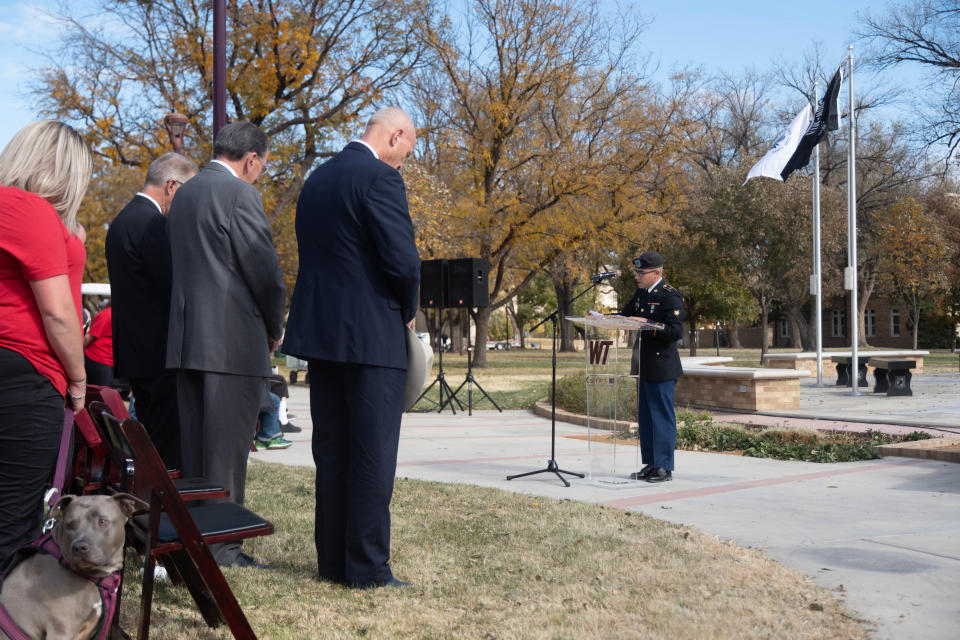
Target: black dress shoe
(660, 475)
(392, 582)
(243, 561)
(290, 428)
(643, 474)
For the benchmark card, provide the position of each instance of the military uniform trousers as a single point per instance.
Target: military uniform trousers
(657, 422)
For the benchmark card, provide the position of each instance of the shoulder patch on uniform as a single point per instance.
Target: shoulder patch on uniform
(668, 287)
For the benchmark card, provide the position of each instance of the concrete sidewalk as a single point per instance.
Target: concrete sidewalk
(883, 534)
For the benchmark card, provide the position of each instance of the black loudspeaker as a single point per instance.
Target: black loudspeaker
(433, 276)
(467, 283)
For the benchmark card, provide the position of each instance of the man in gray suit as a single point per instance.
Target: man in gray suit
(226, 313)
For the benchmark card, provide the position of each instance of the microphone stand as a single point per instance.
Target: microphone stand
(552, 466)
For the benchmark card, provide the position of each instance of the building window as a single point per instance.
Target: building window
(870, 322)
(895, 322)
(784, 328)
(838, 323)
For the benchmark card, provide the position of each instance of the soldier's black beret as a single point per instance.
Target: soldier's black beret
(648, 260)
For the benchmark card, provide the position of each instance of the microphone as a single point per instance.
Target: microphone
(606, 275)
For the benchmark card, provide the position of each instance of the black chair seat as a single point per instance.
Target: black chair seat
(218, 518)
(187, 486)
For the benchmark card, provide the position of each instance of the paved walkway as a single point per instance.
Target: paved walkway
(884, 535)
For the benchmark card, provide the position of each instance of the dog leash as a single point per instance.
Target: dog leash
(60, 471)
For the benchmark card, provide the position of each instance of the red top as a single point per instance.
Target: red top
(101, 349)
(34, 245)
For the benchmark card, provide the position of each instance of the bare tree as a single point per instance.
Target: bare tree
(924, 32)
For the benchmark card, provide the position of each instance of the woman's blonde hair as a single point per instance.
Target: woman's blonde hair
(50, 159)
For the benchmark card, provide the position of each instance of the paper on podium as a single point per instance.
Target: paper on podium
(614, 321)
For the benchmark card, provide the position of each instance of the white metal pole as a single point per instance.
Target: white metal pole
(852, 232)
(817, 287)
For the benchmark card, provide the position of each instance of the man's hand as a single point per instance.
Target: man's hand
(273, 345)
(410, 324)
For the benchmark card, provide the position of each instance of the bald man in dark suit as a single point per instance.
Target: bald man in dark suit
(357, 287)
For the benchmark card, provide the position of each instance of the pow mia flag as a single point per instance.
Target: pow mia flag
(785, 158)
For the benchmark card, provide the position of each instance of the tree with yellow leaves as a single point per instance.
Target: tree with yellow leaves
(913, 255)
(304, 71)
(536, 118)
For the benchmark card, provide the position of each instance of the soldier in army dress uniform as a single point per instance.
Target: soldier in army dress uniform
(656, 301)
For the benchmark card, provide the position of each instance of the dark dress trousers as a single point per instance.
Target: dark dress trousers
(138, 261)
(357, 286)
(227, 299)
(658, 372)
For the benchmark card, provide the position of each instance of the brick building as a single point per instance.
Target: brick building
(885, 325)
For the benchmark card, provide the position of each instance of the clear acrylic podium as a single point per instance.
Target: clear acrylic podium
(611, 397)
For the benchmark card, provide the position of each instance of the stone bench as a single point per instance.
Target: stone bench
(807, 360)
(892, 376)
(843, 371)
(742, 388)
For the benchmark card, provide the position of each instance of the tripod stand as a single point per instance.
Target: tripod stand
(552, 466)
(470, 380)
(441, 380)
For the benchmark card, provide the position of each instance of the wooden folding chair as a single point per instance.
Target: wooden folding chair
(181, 530)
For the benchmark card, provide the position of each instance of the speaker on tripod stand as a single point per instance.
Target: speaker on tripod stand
(433, 295)
(467, 288)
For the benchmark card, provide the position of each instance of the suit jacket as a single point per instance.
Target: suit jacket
(359, 274)
(659, 358)
(227, 293)
(138, 261)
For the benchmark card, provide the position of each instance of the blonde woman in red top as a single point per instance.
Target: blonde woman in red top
(44, 173)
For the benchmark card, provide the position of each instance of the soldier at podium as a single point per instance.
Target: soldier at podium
(656, 301)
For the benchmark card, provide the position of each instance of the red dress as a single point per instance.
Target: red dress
(34, 245)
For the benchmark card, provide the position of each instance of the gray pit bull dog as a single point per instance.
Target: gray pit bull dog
(49, 601)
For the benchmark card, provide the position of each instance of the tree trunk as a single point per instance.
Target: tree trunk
(916, 327)
(812, 331)
(517, 329)
(692, 334)
(915, 313)
(763, 328)
(456, 331)
(733, 336)
(565, 334)
(801, 329)
(482, 321)
(863, 298)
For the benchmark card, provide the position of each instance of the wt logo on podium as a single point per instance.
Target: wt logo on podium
(599, 350)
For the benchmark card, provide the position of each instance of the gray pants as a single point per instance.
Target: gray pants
(218, 419)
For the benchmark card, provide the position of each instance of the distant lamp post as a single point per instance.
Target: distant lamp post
(175, 123)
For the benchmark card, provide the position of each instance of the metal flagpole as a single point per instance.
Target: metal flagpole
(852, 234)
(816, 287)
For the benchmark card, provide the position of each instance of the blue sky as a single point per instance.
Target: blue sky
(729, 36)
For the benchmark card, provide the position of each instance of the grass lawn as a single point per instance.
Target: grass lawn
(491, 564)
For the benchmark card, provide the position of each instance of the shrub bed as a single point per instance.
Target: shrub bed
(696, 431)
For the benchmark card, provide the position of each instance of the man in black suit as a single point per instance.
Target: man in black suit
(356, 288)
(226, 313)
(656, 301)
(138, 260)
